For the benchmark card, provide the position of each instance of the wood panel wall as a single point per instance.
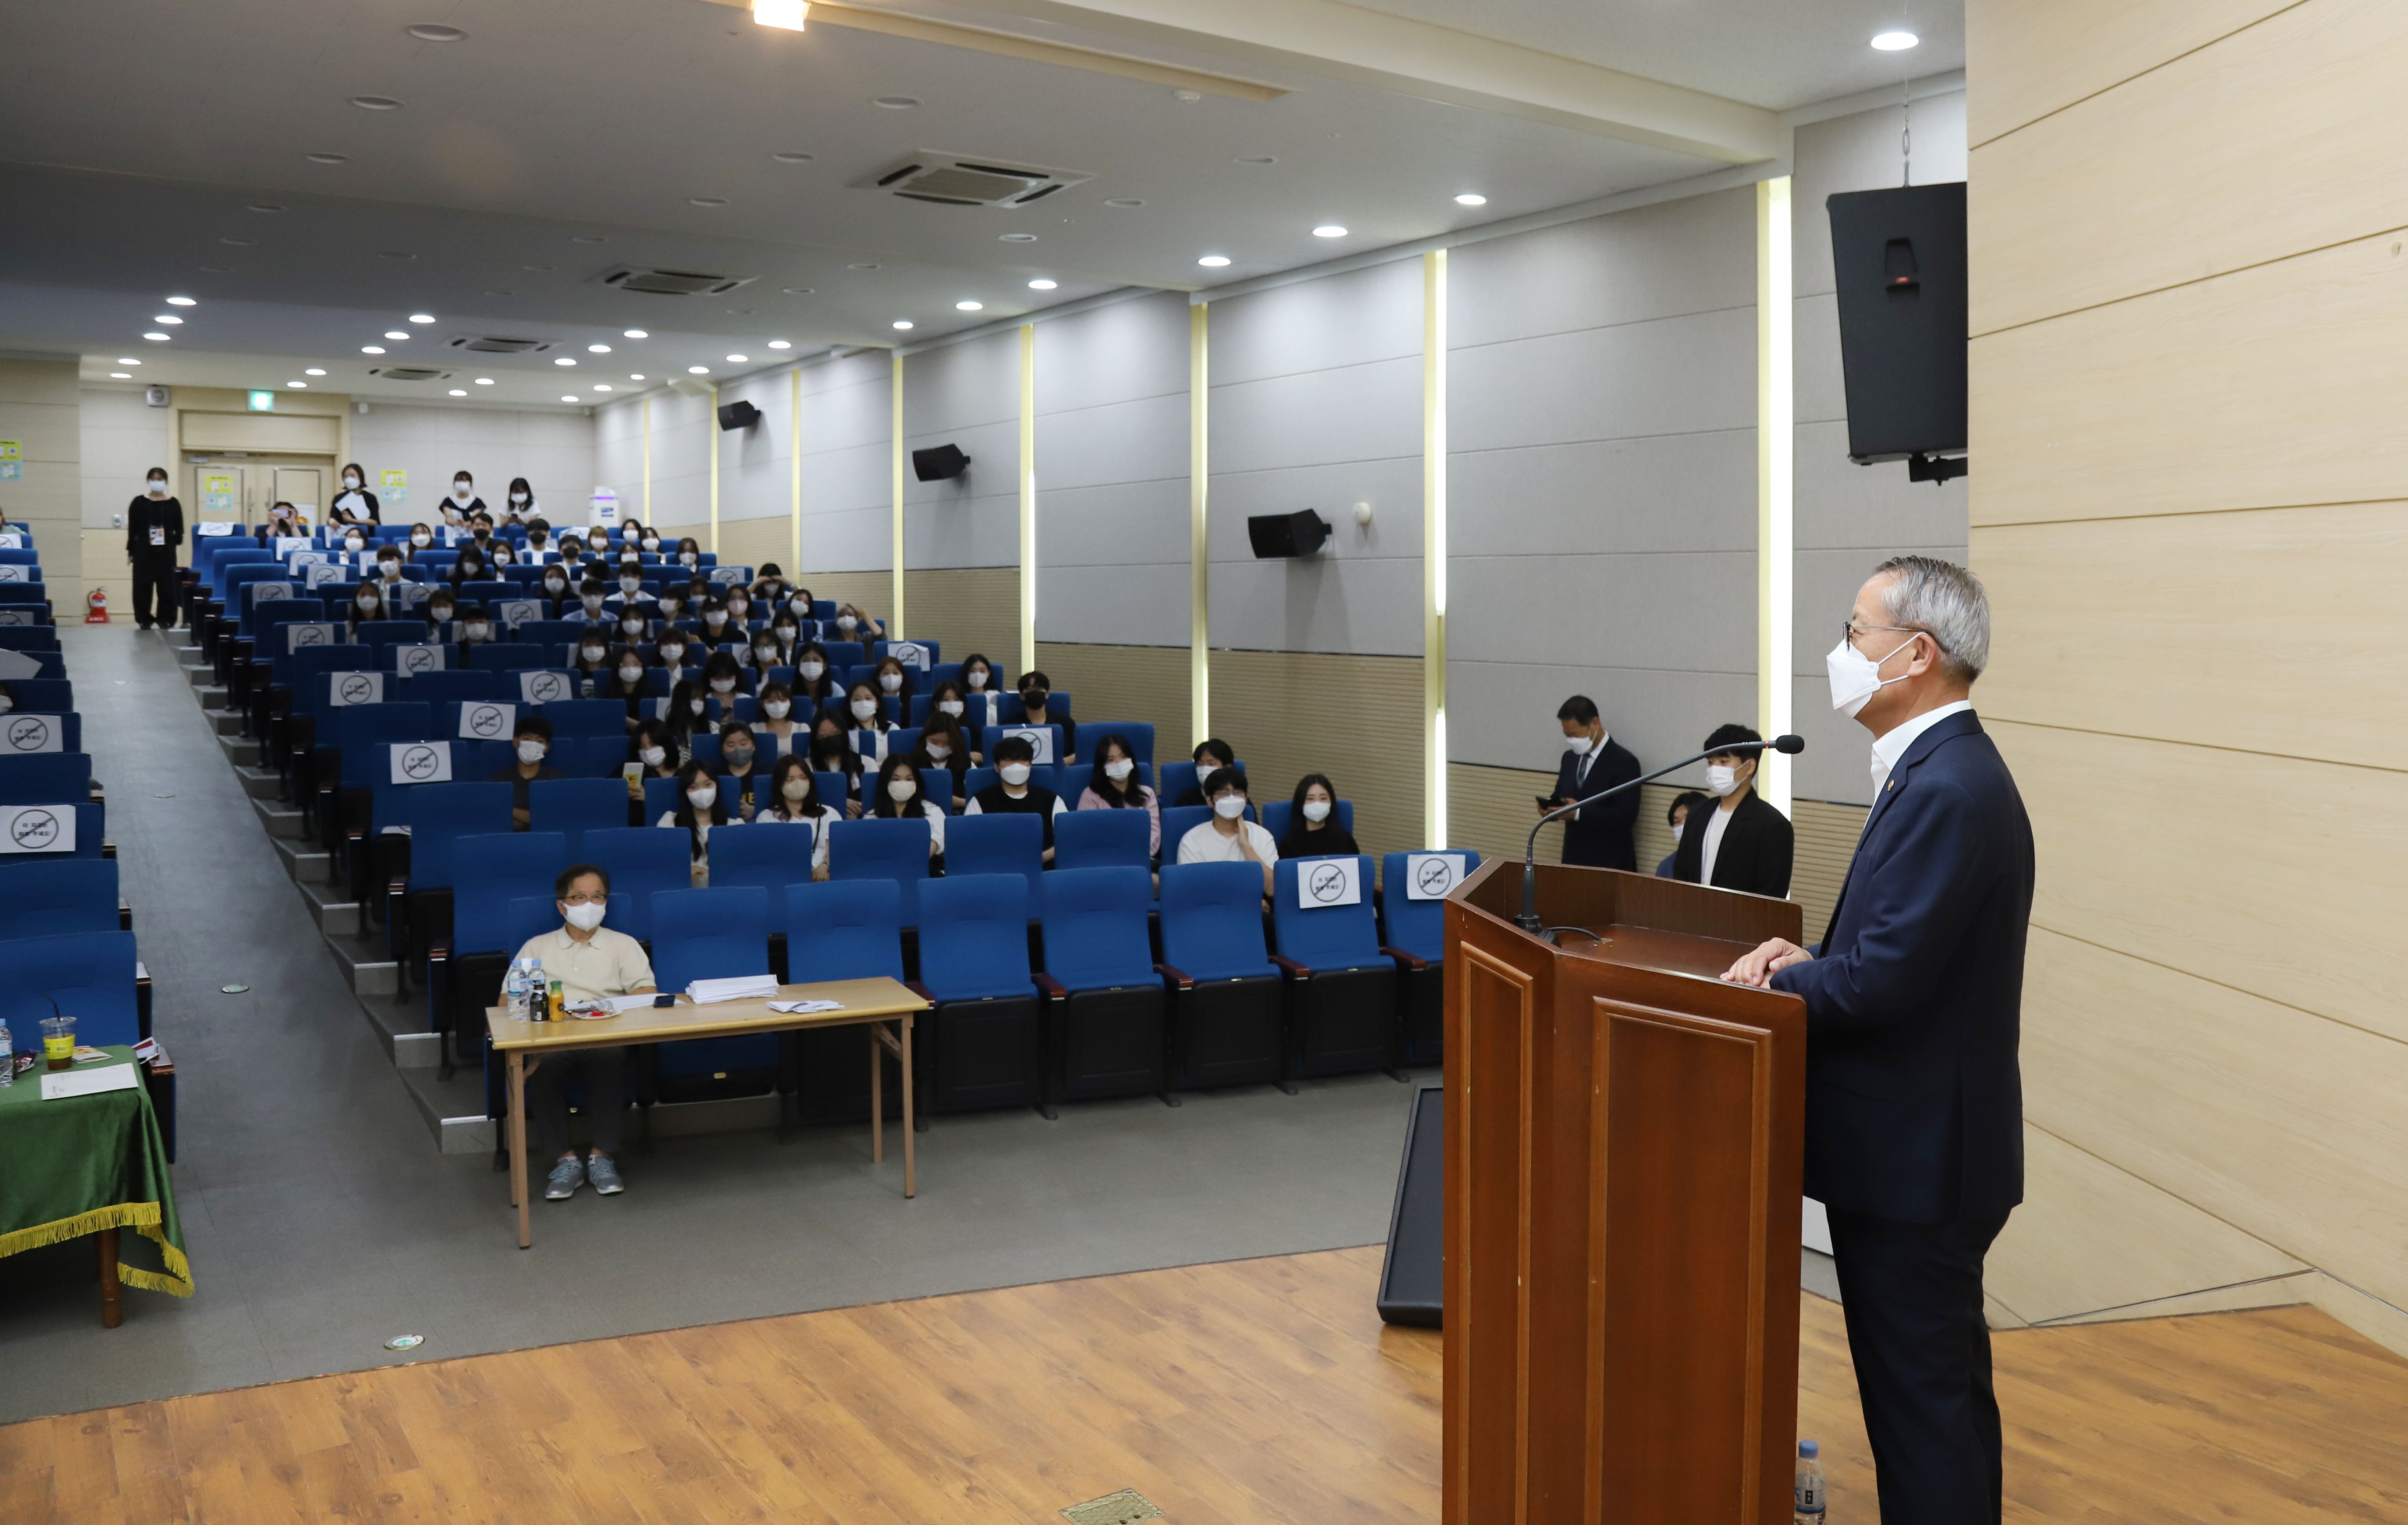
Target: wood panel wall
(2190, 503)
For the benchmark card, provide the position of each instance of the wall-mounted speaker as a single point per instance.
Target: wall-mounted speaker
(738, 415)
(1899, 259)
(1298, 534)
(938, 462)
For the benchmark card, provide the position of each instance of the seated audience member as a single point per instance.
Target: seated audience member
(388, 567)
(1211, 757)
(786, 636)
(669, 654)
(738, 602)
(502, 555)
(781, 734)
(716, 626)
(354, 543)
(815, 688)
(1111, 785)
(590, 659)
(945, 747)
(894, 682)
(592, 603)
(739, 781)
(1743, 843)
(1228, 836)
(668, 605)
(533, 738)
(283, 523)
(1037, 698)
(629, 590)
(1312, 829)
(701, 805)
(653, 753)
(1012, 794)
(440, 607)
(797, 602)
(421, 538)
(632, 532)
(621, 679)
(476, 629)
(854, 623)
(368, 604)
(832, 753)
(556, 587)
(863, 712)
(898, 798)
(762, 654)
(723, 676)
(590, 961)
(950, 700)
(1684, 804)
(688, 714)
(688, 553)
(795, 800)
(539, 540)
(470, 567)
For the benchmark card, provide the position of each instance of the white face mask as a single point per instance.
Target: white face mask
(716, 618)
(353, 542)
(672, 654)
(891, 681)
(739, 608)
(688, 557)
(1721, 779)
(846, 621)
(420, 536)
(462, 491)
(1229, 807)
(950, 707)
(631, 584)
(977, 680)
(652, 543)
(531, 752)
(440, 611)
(351, 482)
(786, 633)
(652, 756)
(864, 709)
(556, 586)
(519, 499)
(368, 602)
(592, 653)
(479, 630)
(776, 709)
(939, 751)
(1316, 810)
(1856, 678)
(723, 685)
(695, 706)
(810, 670)
(7, 704)
(1014, 773)
(1676, 838)
(702, 799)
(583, 918)
(764, 654)
(158, 487)
(795, 789)
(901, 790)
(631, 675)
(1578, 745)
(633, 625)
(593, 600)
(1119, 770)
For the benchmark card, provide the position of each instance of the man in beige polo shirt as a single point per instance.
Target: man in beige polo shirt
(590, 961)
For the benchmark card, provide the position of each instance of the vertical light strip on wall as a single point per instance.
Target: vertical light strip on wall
(1775, 529)
(648, 463)
(1199, 569)
(710, 432)
(1028, 496)
(895, 551)
(1434, 548)
(795, 433)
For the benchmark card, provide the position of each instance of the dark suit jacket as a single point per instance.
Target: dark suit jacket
(1914, 997)
(1758, 845)
(1600, 836)
(167, 513)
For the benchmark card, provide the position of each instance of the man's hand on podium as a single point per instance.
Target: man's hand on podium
(1757, 966)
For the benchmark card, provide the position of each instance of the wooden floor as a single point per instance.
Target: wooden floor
(1258, 1390)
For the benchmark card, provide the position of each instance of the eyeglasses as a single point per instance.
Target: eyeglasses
(1850, 630)
(580, 897)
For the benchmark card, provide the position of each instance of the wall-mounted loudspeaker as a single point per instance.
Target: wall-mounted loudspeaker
(738, 415)
(1899, 259)
(938, 462)
(1298, 534)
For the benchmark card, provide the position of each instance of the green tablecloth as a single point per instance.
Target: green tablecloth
(83, 1163)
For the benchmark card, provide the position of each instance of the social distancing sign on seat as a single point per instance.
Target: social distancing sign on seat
(344, 688)
(421, 762)
(1429, 876)
(1322, 882)
(32, 733)
(481, 721)
(38, 828)
(410, 660)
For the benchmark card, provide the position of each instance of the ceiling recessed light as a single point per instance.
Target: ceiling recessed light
(376, 103)
(568, 397)
(1259, 159)
(896, 102)
(167, 318)
(1213, 261)
(902, 323)
(697, 370)
(635, 376)
(566, 360)
(217, 269)
(602, 386)
(459, 391)
(434, 32)
(1330, 230)
(181, 301)
(1040, 284)
(267, 206)
(313, 371)
(864, 264)
(237, 243)
(127, 360)
(1895, 42)
(969, 306)
(328, 158)
(1016, 237)
(371, 348)
(485, 380)
(634, 333)
(793, 156)
(396, 253)
(120, 376)
(597, 349)
(1125, 201)
(799, 290)
(706, 201)
(780, 344)
(497, 294)
(587, 238)
(303, 385)
(739, 359)
(422, 317)
(157, 338)
(396, 333)
(540, 269)
(1471, 198)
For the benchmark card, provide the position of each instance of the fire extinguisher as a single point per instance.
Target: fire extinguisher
(95, 610)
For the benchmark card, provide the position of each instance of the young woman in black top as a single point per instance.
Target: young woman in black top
(832, 753)
(622, 678)
(741, 778)
(355, 500)
(723, 676)
(556, 588)
(689, 714)
(1308, 836)
(470, 567)
(701, 805)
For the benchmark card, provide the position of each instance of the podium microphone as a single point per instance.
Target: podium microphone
(1529, 920)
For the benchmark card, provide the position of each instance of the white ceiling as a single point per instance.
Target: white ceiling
(560, 140)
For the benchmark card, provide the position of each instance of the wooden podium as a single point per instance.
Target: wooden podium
(1622, 1206)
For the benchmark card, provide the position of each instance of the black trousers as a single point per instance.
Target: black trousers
(155, 586)
(604, 1073)
(1913, 1296)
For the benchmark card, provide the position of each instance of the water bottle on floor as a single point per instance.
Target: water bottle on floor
(1813, 1491)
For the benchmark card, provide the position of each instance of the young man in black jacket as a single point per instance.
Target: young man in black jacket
(154, 531)
(1743, 842)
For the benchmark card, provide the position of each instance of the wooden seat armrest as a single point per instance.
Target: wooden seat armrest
(1293, 970)
(1178, 981)
(1049, 987)
(1405, 960)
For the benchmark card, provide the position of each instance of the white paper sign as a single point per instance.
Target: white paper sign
(518, 610)
(421, 762)
(731, 574)
(207, 529)
(18, 665)
(287, 544)
(322, 573)
(1322, 882)
(95, 1081)
(38, 828)
(910, 653)
(410, 660)
(343, 688)
(484, 722)
(268, 593)
(20, 614)
(12, 541)
(1429, 876)
(32, 733)
(1039, 736)
(10, 572)
(298, 636)
(405, 595)
(538, 686)
(299, 559)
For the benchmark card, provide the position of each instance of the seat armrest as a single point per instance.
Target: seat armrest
(124, 915)
(1291, 968)
(1179, 980)
(1405, 960)
(1049, 987)
(920, 991)
(440, 951)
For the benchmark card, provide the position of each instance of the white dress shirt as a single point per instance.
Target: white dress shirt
(1891, 745)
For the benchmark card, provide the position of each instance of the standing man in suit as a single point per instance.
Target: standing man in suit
(1913, 1006)
(154, 529)
(1743, 843)
(1598, 836)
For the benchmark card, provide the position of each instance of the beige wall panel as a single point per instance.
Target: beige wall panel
(1490, 810)
(2258, 389)
(2288, 1126)
(751, 542)
(104, 567)
(2274, 876)
(2384, 1323)
(1356, 718)
(1827, 841)
(290, 433)
(1144, 683)
(2031, 57)
(2091, 1237)
(41, 409)
(2260, 631)
(2180, 174)
(963, 608)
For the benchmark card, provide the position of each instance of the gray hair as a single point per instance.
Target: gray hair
(1945, 603)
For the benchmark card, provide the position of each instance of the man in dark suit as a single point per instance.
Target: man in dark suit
(1914, 1002)
(1596, 836)
(1743, 842)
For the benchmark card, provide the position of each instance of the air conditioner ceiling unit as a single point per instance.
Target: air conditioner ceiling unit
(961, 179)
(489, 344)
(673, 282)
(408, 373)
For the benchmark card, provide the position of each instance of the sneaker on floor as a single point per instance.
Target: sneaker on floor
(605, 1177)
(565, 1177)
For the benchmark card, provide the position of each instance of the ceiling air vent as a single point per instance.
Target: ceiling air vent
(673, 282)
(956, 180)
(408, 373)
(487, 344)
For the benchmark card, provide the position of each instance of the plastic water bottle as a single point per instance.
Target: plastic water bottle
(1813, 1491)
(7, 1057)
(514, 991)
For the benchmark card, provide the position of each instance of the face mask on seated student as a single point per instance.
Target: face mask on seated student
(631, 673)
(368, 604)
(439, 613)
(555, 585)
(355, 542)
(592, 600)
(389, 567)
(672, 652)
(422, 538)
(591, 651)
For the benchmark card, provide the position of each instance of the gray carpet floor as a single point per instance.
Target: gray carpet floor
(321, 1220)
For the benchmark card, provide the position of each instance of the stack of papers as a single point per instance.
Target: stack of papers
(804, 1008)
(741, 987)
